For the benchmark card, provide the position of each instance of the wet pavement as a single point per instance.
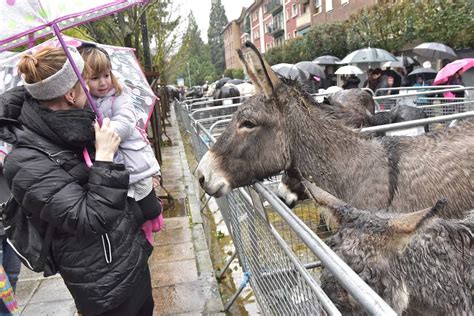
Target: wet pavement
(183, 278)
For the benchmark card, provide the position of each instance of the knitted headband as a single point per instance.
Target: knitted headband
(59, 83)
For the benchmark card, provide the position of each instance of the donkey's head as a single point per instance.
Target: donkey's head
(255, 145)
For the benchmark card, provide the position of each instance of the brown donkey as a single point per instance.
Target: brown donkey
(280, 128)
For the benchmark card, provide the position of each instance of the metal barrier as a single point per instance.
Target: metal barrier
(279, 249)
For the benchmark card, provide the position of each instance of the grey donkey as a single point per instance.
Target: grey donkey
(355, 109)
(418, 263)
(280, 128)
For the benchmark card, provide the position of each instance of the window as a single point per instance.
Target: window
(288, 16)
(344, 1)
(255, 16)
(328, 5)
(256, 34)
(317, 5)
(294, 10)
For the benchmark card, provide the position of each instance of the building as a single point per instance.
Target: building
(325, 11)
(269, 23)
(231, 44)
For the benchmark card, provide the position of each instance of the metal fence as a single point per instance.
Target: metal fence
(279, 247)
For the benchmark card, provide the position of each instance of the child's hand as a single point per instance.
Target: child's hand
(106, 141)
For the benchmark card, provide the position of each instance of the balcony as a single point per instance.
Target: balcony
(275, 29)
(274, 6)
(303, 20)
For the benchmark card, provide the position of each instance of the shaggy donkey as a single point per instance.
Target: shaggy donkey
(281, 128)
(416, 262)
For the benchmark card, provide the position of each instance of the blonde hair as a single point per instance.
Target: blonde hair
(42, 64)
(98, 62)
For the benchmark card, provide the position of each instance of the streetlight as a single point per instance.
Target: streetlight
(189, 76)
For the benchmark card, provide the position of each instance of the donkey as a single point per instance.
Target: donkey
(355, 109)
(416, 262)
(281, 128)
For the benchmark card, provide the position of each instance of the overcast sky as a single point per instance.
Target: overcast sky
(202, 8)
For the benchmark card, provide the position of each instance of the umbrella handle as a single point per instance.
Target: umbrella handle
(78, 73)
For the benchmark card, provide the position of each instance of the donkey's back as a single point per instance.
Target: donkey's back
(435, 165)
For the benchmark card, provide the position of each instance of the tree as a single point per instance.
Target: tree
(217, 22)
(162, 28)
(194, 54)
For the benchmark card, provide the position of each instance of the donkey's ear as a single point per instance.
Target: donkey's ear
(405, 226)
(409, 222)
(258, 70)
(334, 209)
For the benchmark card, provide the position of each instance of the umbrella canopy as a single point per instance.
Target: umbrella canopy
(433, 50)
(311, 68)
(124, 65)
(425, 73)
(393, 64)
(368, 55)
(407, 61)
(349, 70)
(291, 72)
(24, 21)
(451, 68)
(326, 60)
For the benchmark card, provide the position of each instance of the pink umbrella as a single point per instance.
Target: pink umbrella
(24, 21)
(453, 67)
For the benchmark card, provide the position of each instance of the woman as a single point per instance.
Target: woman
(98, 247)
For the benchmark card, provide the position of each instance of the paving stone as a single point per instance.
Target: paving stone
(174, 252)
(172, 236)
(169, 273)
(177, 222)
(51, 290)
(25, 290)
(59, 308)
(185, 298)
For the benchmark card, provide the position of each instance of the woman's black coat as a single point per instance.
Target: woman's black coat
(98, 246)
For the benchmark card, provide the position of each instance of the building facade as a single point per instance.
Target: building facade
(231, 44)
(269, 23)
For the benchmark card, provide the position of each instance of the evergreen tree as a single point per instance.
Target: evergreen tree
(193, 60)
(217, 22)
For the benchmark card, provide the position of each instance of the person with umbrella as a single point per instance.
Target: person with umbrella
(352, 82)
(135, 153)
(421, 99)
(374, 79)
(97, 244)
(456, 80)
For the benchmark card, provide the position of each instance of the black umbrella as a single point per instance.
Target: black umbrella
(326, 60)
(290, 71)
(311, 68)
(221, 82)
(425, 73)
(407, 61)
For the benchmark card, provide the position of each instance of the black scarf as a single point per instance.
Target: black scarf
(68, 128)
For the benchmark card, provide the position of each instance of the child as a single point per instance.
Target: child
(114, 101)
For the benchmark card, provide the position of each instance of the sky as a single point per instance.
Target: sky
(202, 8)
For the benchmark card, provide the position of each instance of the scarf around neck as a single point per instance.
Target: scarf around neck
(68, 128)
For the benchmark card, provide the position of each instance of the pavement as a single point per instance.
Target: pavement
(182, 274)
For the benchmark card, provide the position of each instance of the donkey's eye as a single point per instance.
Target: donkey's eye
(247, 124)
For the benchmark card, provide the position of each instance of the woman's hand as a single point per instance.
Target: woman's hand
(106, 141)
